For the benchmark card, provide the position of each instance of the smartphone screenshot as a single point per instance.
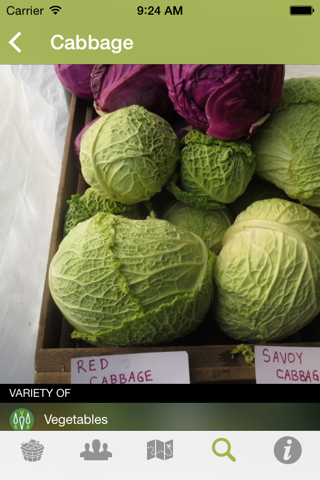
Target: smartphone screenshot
(159, 225)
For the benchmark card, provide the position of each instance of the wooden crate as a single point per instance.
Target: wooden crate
(208, 349)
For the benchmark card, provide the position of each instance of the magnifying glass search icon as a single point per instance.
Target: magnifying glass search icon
(227, 453)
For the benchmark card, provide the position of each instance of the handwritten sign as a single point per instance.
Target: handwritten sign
(275, 364)
(132, 369)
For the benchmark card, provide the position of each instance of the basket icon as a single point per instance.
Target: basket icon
(32, 451)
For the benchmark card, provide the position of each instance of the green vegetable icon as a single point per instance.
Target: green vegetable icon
(21, 419)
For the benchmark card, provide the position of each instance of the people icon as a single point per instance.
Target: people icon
(96, 454)
(86, 454)
(105, 454)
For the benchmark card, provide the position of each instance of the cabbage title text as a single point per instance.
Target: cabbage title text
(115, 45)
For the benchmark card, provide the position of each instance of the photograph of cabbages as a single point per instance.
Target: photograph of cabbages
(186, 215)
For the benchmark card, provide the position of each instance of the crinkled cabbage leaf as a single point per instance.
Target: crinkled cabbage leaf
(214, 169)
(123, 282)
(129, 155)
(287, 145)
(267, 274)
(83, 207)
(208, 225)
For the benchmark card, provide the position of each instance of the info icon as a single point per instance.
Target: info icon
(287, 450)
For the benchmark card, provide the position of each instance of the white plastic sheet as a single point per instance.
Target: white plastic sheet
(33, 119)
(32, 130)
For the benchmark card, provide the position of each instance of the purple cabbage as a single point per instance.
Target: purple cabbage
(77, 142)
(180, 126)
(118, 86)
(225, 101)
(76, 79)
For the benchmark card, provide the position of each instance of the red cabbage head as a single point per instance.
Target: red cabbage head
(76, 79)
(119, 86)
(225, 101)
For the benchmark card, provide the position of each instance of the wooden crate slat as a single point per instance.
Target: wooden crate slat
(205, 356)
(52, 378)
(50, 317)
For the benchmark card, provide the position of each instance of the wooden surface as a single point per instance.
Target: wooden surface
(208, 349)
(50, 317)
(208, 364)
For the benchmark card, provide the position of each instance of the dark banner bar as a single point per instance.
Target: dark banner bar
(160, 416)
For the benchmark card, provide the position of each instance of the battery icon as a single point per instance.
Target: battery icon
(301, 10)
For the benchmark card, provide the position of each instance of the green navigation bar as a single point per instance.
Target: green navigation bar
(129, 31)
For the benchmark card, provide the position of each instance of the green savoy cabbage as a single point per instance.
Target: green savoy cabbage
(267, 275)
(124, 282)
(83, 207)
(287, 145)
(208, 225)
(202, 203)
(257, 189)
(214, 169)
(129, 155)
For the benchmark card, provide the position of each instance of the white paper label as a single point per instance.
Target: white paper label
(287, 364)
(132, 369)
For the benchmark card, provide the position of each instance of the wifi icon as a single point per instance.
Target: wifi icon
(55, 9)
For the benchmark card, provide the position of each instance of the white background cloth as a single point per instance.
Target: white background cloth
(33, 124)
